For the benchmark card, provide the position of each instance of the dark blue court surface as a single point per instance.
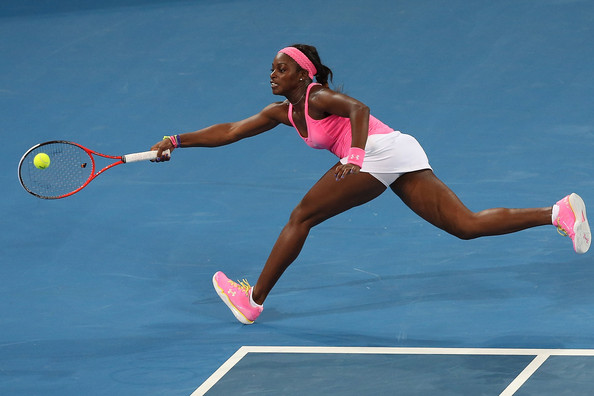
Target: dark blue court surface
(109, 291)
(396, 371)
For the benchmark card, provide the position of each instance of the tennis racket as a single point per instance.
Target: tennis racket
(71, 168)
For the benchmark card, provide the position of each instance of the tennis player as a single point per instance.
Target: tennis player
(373, 157)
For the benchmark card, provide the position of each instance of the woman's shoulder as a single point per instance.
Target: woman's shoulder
(319, 92)
(277, 107)
(278, 111)
(317, 88)
(321, 99)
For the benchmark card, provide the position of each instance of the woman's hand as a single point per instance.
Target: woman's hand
(343, 170)
(160, 147)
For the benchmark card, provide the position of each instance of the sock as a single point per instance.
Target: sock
(555, 213)
(252, 302)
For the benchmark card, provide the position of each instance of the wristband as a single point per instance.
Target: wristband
(356, 156)
(174, 139)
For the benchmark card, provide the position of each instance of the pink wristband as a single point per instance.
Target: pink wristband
(356, 156)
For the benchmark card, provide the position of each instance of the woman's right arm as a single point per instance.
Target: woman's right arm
(227, 133)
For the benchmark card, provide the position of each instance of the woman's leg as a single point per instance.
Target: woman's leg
(431, 199)
(327, 198)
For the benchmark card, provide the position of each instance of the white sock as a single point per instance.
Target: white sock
(252, 302)
(555, 213)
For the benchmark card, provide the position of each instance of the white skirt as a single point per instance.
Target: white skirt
(387, 156)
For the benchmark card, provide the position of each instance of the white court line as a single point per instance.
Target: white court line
(217, 375)
(524, 375)
(540, 356)
(419, 351)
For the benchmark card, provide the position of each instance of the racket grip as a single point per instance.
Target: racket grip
(144, 156)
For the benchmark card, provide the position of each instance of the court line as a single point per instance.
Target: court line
(221, 371)
(524, 375)
(419, 351)
(541, 355)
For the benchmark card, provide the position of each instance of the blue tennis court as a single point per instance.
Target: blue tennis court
(109, 291)
(389, 371)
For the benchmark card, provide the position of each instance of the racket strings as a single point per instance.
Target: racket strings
(70, 168)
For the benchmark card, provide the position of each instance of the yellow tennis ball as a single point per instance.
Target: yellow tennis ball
(41, 161)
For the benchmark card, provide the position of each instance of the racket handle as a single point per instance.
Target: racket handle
(144, 156)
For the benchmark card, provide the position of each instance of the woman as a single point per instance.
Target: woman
(372, 156)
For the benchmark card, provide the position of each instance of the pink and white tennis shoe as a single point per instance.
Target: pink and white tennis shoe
(237, 297)
(572, 222)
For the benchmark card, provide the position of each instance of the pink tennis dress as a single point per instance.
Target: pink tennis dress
(388, 153)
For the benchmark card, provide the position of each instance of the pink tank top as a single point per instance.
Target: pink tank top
(333, 132)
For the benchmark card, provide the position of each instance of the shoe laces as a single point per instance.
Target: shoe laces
(242, 285)
(562, 231)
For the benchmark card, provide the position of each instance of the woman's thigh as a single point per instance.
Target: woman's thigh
(431, 199)
(329, 197)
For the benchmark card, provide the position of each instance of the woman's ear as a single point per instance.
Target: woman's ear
(303, 75)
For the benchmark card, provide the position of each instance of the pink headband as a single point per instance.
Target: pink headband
(301, 59)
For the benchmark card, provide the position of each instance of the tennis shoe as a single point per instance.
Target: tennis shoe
(237, 297)
(572, 222)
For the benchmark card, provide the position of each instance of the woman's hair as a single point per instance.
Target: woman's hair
(324, 73)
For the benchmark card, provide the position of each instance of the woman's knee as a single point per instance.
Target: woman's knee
(303, 216)
(465, 234)
(435, 202)
(464, 227)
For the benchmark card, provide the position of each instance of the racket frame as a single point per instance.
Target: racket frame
(121, 159)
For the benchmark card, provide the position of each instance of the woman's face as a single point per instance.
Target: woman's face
(284, 75)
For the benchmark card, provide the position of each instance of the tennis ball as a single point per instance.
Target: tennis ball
(41, 161)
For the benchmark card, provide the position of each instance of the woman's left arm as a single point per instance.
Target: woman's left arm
(331, 102)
